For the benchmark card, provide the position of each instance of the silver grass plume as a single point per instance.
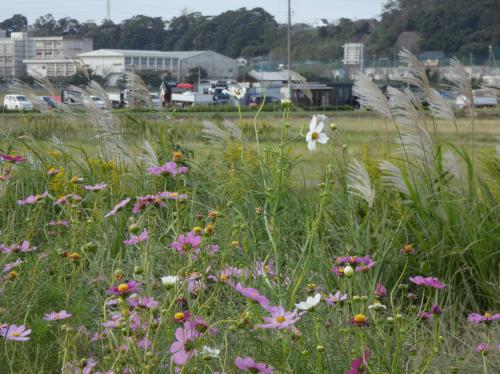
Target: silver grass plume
(492, 81)
(393, 177)
(358, 182)
(301, 83)
(214, 134)
(451, 165)
(418, 75)
(138, 96)
(235, 130)
(460, 80)
(148, 155)
(370, 96)
(439, 107)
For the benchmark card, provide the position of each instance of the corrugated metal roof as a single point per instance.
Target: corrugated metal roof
(140, 53)
(269, 75)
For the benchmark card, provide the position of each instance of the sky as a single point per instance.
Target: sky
(308, 11)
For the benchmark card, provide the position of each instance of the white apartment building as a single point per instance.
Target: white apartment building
(13, 51)
(55, 56)
(112, 63)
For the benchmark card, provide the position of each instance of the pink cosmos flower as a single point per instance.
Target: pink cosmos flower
(96, 187)
(56, 316)
(145, 343)
(117, 207)
(195, 282)
(380, 290)
(143, 302)
(436, 309)
(359, 264)
(169, 168)
(30, 200)
(15, 159)
(12, 265)
(189, 242)
(424, 315)
(212, 249)
(124, 288)
(264, 269)
(357, 365)
(172, 195)
(59, 223)
(280, 319)
(427, 282)
(336, 298)
(482, 348)
(136, 239)
(476, 318)
(183, 348)
(63, 200)
(24, 247)
(144, 201)
(252, 294)
(249, 364)
(14, 332)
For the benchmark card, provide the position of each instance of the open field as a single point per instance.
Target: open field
(203, 243)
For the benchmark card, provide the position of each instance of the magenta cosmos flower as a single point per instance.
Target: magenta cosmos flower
(136, 239)
(169, 168)
(482, 348)
(249, 364)
(476, 318)
(427, 282)
(24, 247)
(187, 243)
(14, 332)
(15, 159)
(252, 294)
(124, 288)
(117, 207)
(280, 319)
(32, 199)
(358, 365)
(56, 316)
(96, 187)
(380, 290)
(183, 348)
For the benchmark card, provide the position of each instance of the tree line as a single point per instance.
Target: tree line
(457, 27)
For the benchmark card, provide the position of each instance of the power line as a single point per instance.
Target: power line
(108, 10)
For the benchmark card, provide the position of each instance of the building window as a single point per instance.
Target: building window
(48, 45)
(58, 44)
(40, 44)
(144, 61)
(159, 63)
(128, 61)
(152, 62)
(136, 61)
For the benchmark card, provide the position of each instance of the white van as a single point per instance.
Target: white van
(17, 102)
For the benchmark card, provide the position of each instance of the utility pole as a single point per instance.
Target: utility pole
(108, 10)
(289, 49)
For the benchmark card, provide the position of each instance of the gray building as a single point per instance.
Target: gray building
(111, 63)
(13, 51)
(55, 55)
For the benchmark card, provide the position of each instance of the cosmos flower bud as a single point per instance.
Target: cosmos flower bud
(177, 155)
(320, 348)
(348, 271)
(134, 228)
(333, 126)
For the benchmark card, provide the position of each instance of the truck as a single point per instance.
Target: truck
(188, 98)
(482, 98)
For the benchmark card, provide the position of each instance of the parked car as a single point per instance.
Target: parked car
(482, 99)
(156, 101)
(49, 101)
(257, 100)
(98, 102)
(17, 102)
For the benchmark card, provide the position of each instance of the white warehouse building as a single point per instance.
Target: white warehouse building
(112, 63)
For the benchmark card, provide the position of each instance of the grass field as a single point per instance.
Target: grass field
(209, 243)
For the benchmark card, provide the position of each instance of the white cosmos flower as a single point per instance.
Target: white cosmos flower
(315, 133)
(310, 303)
(237, 92)
(377, 306)
(209, 352)
(169, 280)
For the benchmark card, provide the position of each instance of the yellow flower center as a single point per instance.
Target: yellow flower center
(197, 229)
(74, 179)
(224, 277)
(209, 228)
(123, 287)
(360, 318)
(179, 315)
(16, 334)
(488, 315)
(280, 319)
(13, 275)
(315, 136)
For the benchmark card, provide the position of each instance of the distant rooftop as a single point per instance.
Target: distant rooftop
(140, 53)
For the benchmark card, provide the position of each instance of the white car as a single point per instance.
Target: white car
(98, 102)
(156, 101)
(17, 102)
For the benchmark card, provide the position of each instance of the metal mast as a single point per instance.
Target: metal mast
(289, 50)
(108, 9)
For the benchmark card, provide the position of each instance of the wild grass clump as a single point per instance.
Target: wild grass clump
(128, 253)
